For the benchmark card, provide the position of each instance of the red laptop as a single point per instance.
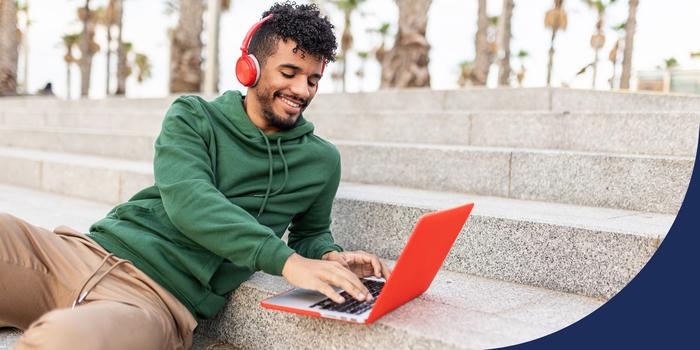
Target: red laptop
(431, 240)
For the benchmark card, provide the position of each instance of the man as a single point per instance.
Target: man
(231, 176)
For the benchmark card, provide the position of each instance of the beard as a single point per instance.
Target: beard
(283, 123)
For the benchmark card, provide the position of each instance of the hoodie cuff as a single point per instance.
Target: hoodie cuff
(326, 249)
(272, 256)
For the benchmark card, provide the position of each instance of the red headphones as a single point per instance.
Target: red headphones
(247, 66)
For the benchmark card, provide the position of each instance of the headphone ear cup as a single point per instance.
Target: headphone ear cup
(248, 70)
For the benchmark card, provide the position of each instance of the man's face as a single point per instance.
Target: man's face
(288, 83)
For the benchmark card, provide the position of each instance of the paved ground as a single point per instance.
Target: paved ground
(50, 210)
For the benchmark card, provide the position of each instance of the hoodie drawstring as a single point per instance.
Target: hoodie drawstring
(267, 195)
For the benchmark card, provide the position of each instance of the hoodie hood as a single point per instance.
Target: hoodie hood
(231, 105)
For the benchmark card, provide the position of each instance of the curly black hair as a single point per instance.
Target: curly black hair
(304, 24)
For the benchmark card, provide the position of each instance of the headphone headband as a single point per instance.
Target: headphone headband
(251, 31)
(247, 66)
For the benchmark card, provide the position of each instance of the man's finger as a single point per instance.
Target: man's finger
(328, 291)
(372, 259)
(386, 271)
(347, 280)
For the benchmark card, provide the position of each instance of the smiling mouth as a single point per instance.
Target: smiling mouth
(291, 102)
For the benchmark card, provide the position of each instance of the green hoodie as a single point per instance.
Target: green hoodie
(224, 195)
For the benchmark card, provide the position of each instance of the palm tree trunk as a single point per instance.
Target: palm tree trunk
(630, 28)
(480, 70)
(68, 82)
(612, 78)
(595, 68)
(345, 45)
(25, 50)
(109, 57)
(85, 52)
(504, 30)
(211, 74)
(8, 47)
(186, 49)
(406, 64)
(551, 58)
(121, 53)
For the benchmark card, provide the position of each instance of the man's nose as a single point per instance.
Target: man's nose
(300, 87)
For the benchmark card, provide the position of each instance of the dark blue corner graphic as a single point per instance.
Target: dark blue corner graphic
(660, 307)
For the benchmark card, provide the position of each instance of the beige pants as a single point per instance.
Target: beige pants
(42, 275)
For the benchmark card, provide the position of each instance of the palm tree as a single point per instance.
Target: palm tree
(520, 75)
(211, 77)
(505, 35)
(143, 67)
(670, 63)
(360, 73)
(555, 19)
(480, 67)
(9, 44)
(383, 32)
(70, 41)
(348, 7)
(88, 46)
(24, 43)
(630, 28)
(108, 19)
(122, 64)
(612, 56)
(465, 73)
(406, 64)
(598, 38)
(186, 48)
(380, 50)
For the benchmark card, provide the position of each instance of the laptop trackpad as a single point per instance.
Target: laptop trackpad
(297, 298)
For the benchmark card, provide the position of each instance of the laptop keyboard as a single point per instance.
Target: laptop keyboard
(351, 305)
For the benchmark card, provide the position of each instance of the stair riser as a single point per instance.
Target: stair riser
(146, 122)
(510, 250)
(634, 183)
(627, 133)
(99, 184)
(108, 145)
(583, 261)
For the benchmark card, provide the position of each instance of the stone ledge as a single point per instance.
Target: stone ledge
(583, 250)
(457, 312)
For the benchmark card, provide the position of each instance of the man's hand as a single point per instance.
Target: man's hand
(321, 275)
(361, 263)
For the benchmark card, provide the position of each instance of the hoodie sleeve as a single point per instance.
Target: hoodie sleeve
(310, 232)
(184, 176)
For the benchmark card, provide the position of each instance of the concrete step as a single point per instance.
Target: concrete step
(463, 312)
(646, 133)
(471, 99)
(481, 312)
(504, 99)
(621, 132)
(643, 183)
(457, 312)
(634, 182)
(98, 142)
(583, 250)
(508, 239)
(107, 180)
(145, 121)
(50, 210)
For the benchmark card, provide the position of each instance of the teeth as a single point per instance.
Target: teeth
(289, 102)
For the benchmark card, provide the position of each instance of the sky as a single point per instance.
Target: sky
(665, 28)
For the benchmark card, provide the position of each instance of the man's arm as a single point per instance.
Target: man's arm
(184, 176)
(310, 232)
